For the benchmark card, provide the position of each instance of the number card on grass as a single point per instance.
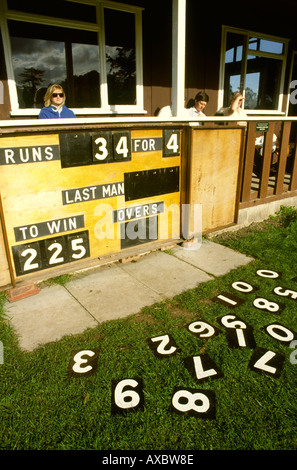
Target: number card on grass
(163, 346)
(127, 395)
(193, 402)
(83, 363)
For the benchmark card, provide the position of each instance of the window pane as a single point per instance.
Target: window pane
(233, 65)
(56, 8)
(262, 83)
(120, 57)
(72, 60)
(86, 77)
(252, 81)
(264, 45)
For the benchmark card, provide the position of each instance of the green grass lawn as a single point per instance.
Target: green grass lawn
(42, 407)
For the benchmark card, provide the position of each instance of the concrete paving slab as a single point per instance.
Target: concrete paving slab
(47, 316)
(212, 258)
(166, 274)
(111, 293)
(116, 291)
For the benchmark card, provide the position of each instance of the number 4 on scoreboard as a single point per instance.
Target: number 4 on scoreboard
(171, 143)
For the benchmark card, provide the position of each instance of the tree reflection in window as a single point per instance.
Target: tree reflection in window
(120, 57)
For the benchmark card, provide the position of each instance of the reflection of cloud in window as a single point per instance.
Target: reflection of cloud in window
(43, 55)
(85, 58)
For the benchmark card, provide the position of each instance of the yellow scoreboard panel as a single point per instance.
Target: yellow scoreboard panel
(70, 196)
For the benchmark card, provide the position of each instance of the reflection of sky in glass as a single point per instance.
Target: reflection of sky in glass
(48, 56)
(85, 58)
(229, 56)
(262, 45)
(238, 53)
(252, 81)
(266, 46)
(235, 83)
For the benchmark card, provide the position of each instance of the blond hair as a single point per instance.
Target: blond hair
(49, 92)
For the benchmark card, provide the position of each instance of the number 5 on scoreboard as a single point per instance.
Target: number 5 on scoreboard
(171, 143)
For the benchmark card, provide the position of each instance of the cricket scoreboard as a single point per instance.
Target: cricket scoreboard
(70, 196)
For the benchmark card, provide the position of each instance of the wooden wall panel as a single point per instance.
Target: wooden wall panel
(213, 179)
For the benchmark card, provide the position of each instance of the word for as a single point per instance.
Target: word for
(49, 227)
(20, 155)
(128, 393)
(43, 254)
(147, 145)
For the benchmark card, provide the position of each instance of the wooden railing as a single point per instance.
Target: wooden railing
(270, 161)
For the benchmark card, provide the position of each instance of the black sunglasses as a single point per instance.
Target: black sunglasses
(58, 94)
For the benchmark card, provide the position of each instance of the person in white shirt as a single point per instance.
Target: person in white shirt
(196, 111)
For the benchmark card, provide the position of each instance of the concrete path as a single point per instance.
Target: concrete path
(116, 291)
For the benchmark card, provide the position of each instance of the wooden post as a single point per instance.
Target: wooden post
(267, 153)
(283, 157)
(249, 162)
(178, 55)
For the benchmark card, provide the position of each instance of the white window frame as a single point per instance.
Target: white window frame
(98, 27)
(281, 57)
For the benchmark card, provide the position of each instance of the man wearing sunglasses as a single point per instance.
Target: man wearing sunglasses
(54, 101)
